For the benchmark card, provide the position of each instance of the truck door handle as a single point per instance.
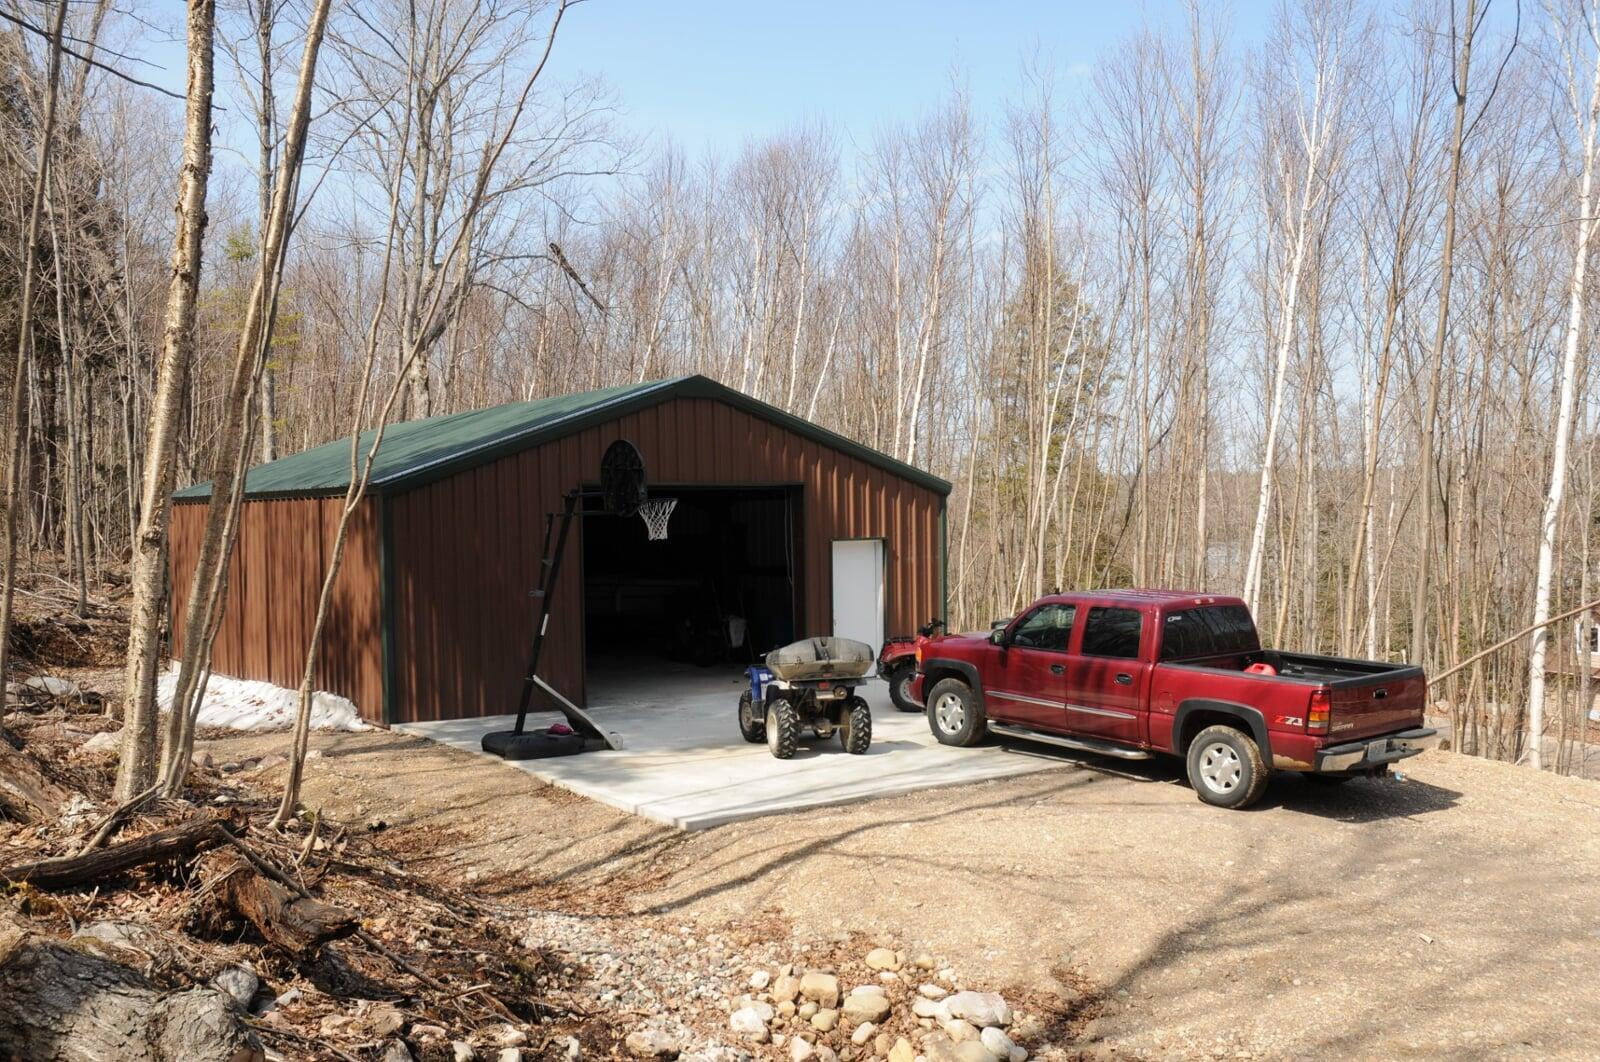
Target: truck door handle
(1057, 669)
(1124, 679)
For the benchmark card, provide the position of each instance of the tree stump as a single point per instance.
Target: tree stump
(25, 793)
(295, 925)
(59, 1004)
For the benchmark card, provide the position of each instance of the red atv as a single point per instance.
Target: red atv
(897, 663)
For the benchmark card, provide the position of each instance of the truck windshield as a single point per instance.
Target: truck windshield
(1217, 630)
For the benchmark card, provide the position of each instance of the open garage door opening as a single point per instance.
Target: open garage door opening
(717, 592)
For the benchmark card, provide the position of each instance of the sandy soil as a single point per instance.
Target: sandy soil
(1453, 912)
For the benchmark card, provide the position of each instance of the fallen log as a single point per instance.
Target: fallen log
(57, 1002)
(295, 925)
(25, 792)
(67, 872)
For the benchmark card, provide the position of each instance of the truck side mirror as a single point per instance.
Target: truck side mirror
(997, 632)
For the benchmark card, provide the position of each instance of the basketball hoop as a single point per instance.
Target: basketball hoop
(656, 512)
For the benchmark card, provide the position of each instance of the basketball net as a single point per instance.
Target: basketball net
(656, 512)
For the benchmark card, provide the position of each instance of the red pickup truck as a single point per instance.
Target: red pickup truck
(1132, 673)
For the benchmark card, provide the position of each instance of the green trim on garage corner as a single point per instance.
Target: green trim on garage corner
(944, 561)
(386, 607)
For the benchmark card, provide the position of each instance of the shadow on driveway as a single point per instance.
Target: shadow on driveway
(1358, 800)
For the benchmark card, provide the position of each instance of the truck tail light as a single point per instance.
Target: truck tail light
(1317, 717)
(919, 654)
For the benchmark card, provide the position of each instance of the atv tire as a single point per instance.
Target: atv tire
(752, 724)
(782, 728)
(855, 733)
(900, 688)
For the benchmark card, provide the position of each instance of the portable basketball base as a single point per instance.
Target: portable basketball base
(622, 490)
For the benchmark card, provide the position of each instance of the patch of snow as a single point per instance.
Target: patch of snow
(244, 704)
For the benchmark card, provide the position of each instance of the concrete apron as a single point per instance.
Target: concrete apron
(684, 764)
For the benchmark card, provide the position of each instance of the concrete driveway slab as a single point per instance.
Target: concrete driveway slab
(683, 762)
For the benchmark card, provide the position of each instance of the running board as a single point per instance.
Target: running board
(1104, 748)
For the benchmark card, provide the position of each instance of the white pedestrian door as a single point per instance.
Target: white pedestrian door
(858, 599)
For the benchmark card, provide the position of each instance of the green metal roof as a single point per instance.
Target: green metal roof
(417, 451)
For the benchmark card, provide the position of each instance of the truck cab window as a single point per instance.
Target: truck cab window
(1186, 636)
(1046, 627)
(1112, 632)
(1232, 629)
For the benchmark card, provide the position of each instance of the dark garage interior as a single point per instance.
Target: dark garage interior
(719, 590)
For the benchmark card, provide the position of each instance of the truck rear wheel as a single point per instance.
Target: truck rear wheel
(953, 713)
(900, 687)
(1226, 768)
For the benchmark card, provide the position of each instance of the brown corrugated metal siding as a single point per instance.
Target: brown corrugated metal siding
(464, 552)
(274, 581)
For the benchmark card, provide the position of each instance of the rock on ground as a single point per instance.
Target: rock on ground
(747, 1022)
(960, 1030)
(998, 1043)
(884, 959)
(982, 1009)
(821, 988)
(862, 1007)
(397, 1051)
(240, 982)
(651, 1043)
(105, 741)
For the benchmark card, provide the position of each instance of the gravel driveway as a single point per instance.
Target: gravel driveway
(1450, 913)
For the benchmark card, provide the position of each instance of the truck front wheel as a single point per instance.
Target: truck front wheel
(953, 713)
(1226, 768)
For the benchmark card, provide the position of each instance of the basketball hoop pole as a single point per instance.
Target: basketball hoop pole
(622, 489)
(546, 593)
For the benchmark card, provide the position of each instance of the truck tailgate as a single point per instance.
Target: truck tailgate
(1379, 704)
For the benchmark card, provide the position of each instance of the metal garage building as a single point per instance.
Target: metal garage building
(432, 614)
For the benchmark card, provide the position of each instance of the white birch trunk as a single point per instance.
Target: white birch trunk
(147, 572)
(1545, 580)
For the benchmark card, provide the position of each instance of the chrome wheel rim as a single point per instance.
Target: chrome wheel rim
(772, 731)
(904, 689)
(950, 713)
(1220, 767)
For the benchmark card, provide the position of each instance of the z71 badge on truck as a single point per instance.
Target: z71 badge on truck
(1133, 672)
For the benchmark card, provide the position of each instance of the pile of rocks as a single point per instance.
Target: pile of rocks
(675, 991)
(807, 1014)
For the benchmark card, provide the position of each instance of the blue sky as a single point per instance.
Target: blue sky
(715, 73)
